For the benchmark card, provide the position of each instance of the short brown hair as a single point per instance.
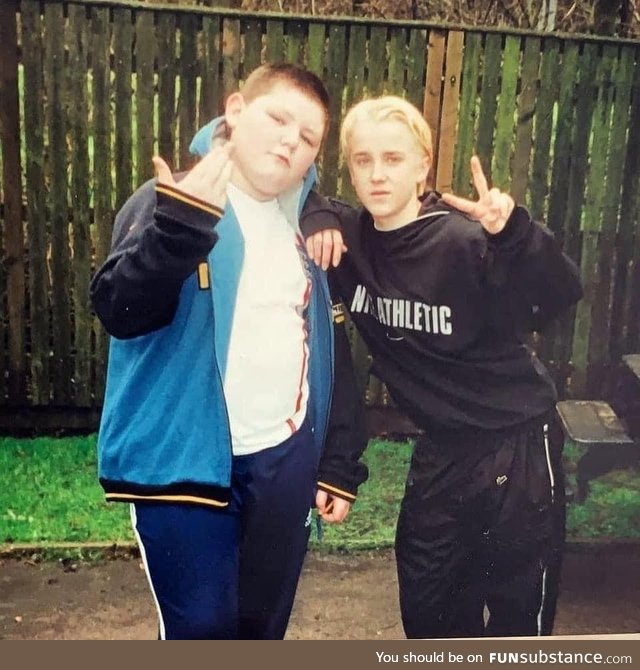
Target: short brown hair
(264, 78)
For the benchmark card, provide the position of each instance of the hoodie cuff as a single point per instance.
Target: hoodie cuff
(338, 491)
(515, 228)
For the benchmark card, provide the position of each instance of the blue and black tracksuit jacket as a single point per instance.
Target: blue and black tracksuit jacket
(166, 294)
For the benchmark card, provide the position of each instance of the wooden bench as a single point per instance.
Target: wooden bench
(594, 424)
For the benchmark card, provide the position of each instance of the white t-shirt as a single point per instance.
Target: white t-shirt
(265, 384)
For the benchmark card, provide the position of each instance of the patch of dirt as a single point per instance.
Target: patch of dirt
(339, 597)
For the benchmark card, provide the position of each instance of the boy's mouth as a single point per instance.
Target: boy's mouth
(281, 158)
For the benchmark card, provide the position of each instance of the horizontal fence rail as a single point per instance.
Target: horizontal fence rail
(90, 91)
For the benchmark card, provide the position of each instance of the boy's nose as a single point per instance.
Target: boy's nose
(377, 172)
(290, 137)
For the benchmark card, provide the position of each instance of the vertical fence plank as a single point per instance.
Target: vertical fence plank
(58, 209)
(355, 76)
(376, 59)
(521, 159)
(230, 56)
(335, 81)
(491, 67)
(416, 65)
(397, 61)
(567, 193)
(123, 66)
(433, 89)
(591, 221)
(562, 143)
(12, 191)
(144, 57)
(211, 85)
(32, 58)
(468, 113)
(80, 188)
(188, 83)
(167, 66)
(503, 143)
(543, 127)
(449, 116)
(102, 186)
(294, 42)
(316, 48)
(275, 41)
(252, 31)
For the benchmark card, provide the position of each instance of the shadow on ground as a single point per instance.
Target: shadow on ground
(340, 597)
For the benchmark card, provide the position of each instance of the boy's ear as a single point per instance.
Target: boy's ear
(233, 108)
(426, 168)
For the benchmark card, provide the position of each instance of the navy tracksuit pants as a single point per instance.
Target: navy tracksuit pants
(482, 527)
(232, 573)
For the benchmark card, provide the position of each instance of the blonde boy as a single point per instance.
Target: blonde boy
(443, 290)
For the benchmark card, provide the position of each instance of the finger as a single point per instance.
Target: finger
(338, 247)
(464, 205)
(479, 180)
(309, 244)
(317, 249)
(327, 248)
(212, 165)
(163, 173)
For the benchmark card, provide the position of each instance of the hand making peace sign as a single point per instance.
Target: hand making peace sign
(493, 208)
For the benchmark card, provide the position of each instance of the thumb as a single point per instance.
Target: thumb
(163, 173)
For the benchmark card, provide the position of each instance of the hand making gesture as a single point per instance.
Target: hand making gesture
(206, 181)
(493, 208)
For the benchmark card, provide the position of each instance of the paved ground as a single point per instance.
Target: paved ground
(340, 597)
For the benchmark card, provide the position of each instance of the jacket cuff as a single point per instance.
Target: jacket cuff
(346, 493)
(175, 203)
(515, 228)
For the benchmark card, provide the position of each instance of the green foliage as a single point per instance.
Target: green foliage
(50, 493)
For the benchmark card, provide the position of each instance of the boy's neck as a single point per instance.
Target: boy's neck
(399, 220)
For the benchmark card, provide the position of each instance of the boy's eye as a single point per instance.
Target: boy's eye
(394, 159)
(277, 118)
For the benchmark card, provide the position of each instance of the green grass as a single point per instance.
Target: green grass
(50, 493)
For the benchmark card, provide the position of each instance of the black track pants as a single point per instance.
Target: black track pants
(478, 527)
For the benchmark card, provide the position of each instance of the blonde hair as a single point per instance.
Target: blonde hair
(384, 108)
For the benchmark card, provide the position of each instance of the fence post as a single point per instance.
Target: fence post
(12, 187)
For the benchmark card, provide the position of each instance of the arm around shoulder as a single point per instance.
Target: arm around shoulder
(341, 472)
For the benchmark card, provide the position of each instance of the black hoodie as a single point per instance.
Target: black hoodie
(444, 308)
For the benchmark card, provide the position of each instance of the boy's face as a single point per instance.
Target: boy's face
(276, 137)
(387, 168)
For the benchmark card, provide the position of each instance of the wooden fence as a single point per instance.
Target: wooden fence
(90, 89)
